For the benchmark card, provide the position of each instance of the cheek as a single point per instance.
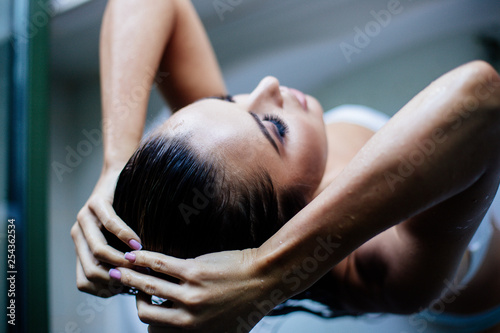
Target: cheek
(313, 159)
(312, 133)
(309, 147)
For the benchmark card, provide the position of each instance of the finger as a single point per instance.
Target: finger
(160, 315)
(93, 288)
(97, 243)
(148, 284)
(92, 277)
(114, 224)
(90, 266)
(160, 263)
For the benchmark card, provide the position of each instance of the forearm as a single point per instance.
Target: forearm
(372, 192)
(133, 37)
(189, 60)
(159, 43)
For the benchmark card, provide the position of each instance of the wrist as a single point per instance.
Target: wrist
(112, 167)
(107, 180)
(272, 266)
(113, 164)
(267, 287)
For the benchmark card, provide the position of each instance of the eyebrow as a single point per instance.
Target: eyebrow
(264, 131)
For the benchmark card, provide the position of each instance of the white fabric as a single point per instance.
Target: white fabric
(356, 114)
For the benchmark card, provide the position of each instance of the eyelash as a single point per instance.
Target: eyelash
(278, 122)
(227, 98)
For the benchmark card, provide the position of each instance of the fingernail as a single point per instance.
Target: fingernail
(135, 244)
(115, 274)
(130, 256)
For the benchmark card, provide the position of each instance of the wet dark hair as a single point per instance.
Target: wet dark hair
(186, 204)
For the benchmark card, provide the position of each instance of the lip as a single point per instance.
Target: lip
(300, 96)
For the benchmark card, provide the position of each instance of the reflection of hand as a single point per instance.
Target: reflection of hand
(217, 292)
(92, 252)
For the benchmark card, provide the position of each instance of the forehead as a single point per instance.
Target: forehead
(220, 128)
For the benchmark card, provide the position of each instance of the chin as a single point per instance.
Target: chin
(313, 105)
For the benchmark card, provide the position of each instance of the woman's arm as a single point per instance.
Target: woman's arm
(231, 291)
(408, 266)
(143, 44)
(440, 151)
(138, 40)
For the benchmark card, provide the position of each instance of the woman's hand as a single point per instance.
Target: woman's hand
(177, 44)
(94, 256)
(219, 292)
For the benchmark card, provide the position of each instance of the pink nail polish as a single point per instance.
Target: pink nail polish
(130, 256)
(115, 274)
(135, 244)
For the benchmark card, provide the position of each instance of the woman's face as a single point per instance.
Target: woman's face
(275, 128)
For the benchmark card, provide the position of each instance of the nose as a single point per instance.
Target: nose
(267, 93)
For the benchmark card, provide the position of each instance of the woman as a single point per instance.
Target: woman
(267, 154)
(404, 265)
(191, 188)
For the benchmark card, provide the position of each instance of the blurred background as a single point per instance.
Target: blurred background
(340, 51)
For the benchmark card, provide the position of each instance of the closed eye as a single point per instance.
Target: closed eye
(227, 98)
(265, 132)
(281, 126)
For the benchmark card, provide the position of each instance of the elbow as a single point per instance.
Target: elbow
(483, 96)
(479, 71)
(481, 85)
(475, 95)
